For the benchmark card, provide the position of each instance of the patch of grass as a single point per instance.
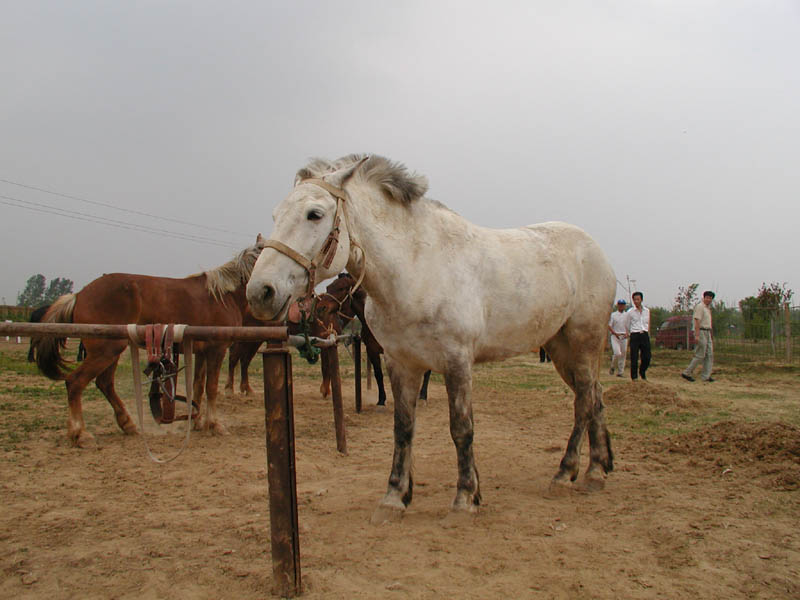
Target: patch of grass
(17, 363)
(662, 422)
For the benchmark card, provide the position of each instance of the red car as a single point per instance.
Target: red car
(672, 333)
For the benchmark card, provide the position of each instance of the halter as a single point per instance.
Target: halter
(326, 254)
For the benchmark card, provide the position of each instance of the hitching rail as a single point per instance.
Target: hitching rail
(278, 416)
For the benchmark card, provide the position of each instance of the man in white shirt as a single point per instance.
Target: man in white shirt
(639, 333)
(704, 353)
(617, 325)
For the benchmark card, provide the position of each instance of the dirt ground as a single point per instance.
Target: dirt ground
(705, 508)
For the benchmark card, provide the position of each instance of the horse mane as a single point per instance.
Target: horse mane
(232, 274)
(392, 178)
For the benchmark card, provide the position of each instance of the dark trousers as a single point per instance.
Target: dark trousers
(639, 342)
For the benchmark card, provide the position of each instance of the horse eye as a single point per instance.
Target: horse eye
(314, 215)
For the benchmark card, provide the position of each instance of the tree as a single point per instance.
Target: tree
(33, 294)
(771, 299)
(686, 298)
(57, 288)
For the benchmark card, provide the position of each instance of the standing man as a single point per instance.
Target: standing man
(618, 326)
(639, 331)
(705, 341)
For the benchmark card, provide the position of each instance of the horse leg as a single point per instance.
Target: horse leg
(458, 382)
(198, 385)
(578, 366)
(105, 383)
(102, 354)
(375, 360)
(325, 386)
(405, 385)
(213, 362)
(248, 352)
(233, 360)
(423, 391)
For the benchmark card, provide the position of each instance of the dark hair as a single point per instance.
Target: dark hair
(640, 294)
(708, 293)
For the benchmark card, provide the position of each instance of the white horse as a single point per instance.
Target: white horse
(444, 294)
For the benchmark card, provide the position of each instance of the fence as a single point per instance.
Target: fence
(15, 313)
(756, 334)
(279, 421)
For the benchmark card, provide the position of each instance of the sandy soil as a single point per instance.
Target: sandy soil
(711, 514)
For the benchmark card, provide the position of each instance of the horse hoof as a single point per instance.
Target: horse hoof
(386, 513)
(130, 428)
(84, 440)
(217, 429)
(559, 487)
(593, 481)
(459, 517)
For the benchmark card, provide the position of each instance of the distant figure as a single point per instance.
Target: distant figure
(638, 327)
(617, 325)
(704, 352)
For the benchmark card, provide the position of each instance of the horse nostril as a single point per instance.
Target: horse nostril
(269, 293)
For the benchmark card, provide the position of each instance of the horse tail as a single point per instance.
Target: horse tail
(48, 348)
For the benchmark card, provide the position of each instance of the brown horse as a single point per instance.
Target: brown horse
(212, 298)
(335, 308)
(242, 353)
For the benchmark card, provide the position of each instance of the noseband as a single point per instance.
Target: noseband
(325, 255)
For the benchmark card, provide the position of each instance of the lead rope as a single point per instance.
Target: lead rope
(133, 344)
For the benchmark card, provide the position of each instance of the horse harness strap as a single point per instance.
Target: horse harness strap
(326, 254)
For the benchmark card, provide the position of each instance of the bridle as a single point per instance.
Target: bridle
(326, 254)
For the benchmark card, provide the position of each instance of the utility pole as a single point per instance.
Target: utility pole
(631, 285)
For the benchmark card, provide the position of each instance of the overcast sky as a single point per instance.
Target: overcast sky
(669, 130)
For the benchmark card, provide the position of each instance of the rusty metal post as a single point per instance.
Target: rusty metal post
(336, 393)
(281, 475)
(357, 361)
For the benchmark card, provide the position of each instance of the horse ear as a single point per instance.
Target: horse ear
(340, 177)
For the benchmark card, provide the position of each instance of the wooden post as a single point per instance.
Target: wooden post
(357, 361)
(787, 326)
(281, 475)
(336, 393)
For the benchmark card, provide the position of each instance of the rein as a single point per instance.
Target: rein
(177, 337)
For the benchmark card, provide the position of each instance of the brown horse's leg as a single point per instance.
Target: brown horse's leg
(233, 360)
(199, 384)
(105, 383)
(101, 355)
(248, 352)
(578, 366)
(325, 386)
(405, 387)
(458, 381)
(213, 362)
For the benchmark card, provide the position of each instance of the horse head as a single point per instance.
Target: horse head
(309, 243)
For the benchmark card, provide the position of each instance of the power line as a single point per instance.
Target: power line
(78, 216)
(127, 210)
